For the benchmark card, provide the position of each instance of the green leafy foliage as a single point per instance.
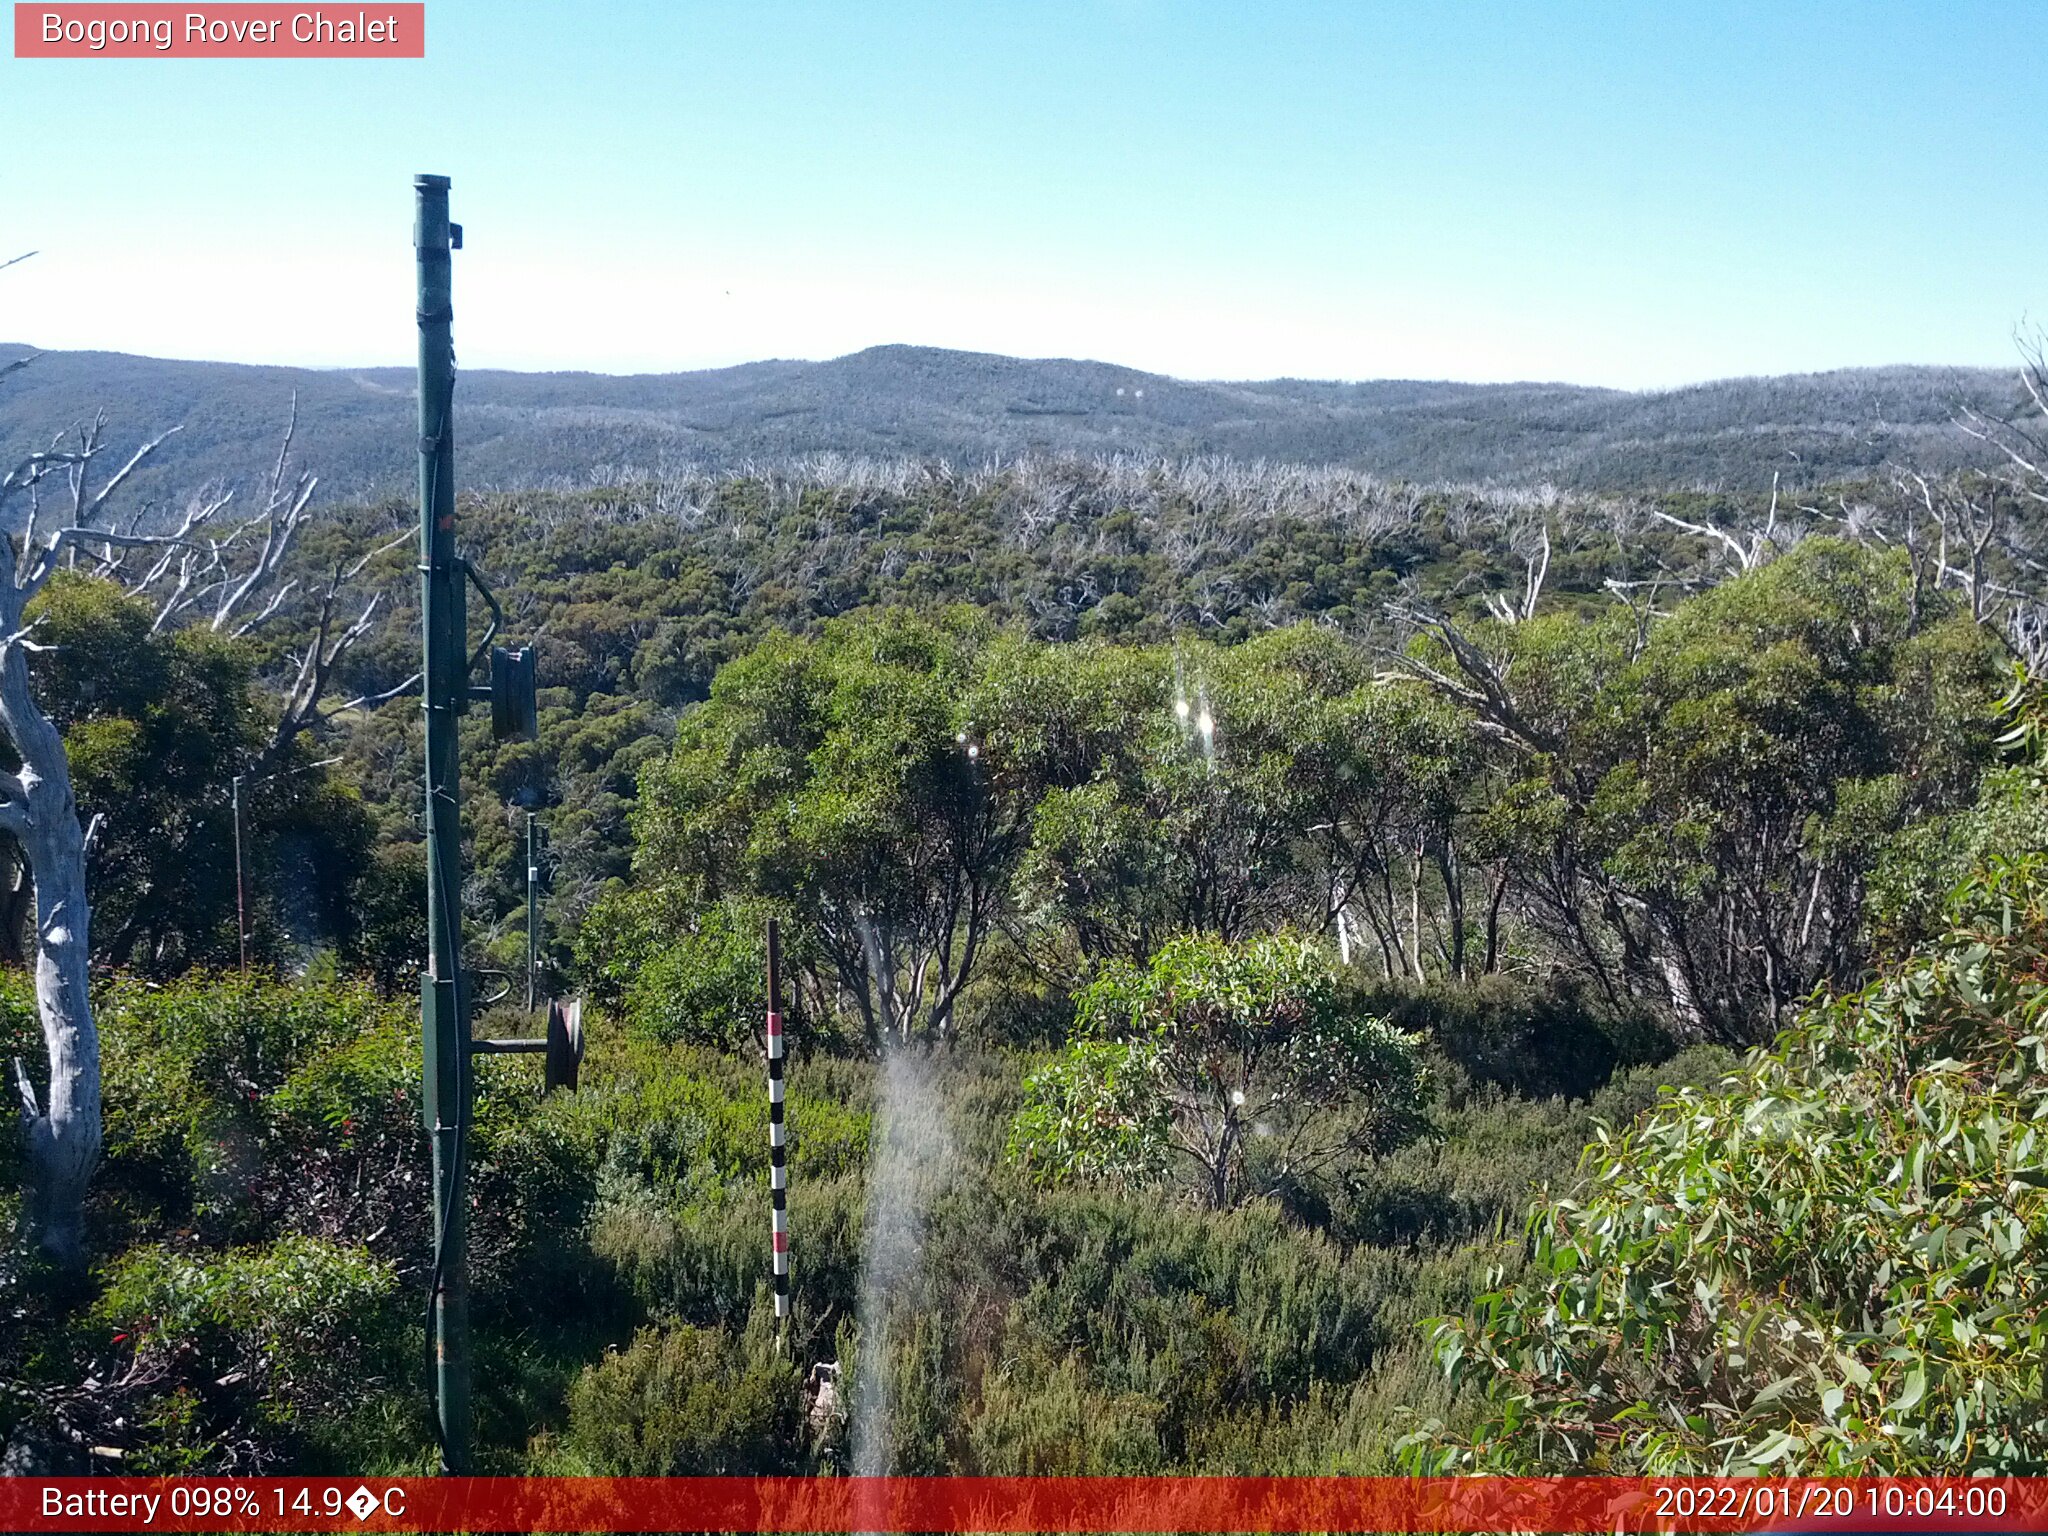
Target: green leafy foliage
(1063, 1328)
(263, 1201)
(1685, 817)
(1240, 1058)
(1470, 1180)
(685, 1401)
(1920, 867)
(1829, 1265)
(156, 727)
(300, 1320)
(832, 781)
(1095, 1112)
(1195, 787)
(705, 988)
(1124, 1334)
(1696, 808)
(1553, 1040)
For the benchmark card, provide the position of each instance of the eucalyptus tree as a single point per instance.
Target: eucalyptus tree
(1243, 1061)
(1174, 788)
(55, 509)
(61, 1125)
(1694, 809)
(157, 726)
(1229, 791)
(839, 781)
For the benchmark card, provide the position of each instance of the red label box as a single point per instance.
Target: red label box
(261, 31)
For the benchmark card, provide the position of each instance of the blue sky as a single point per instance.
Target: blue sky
(1627, 194)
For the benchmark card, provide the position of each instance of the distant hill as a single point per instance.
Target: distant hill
(356, 426)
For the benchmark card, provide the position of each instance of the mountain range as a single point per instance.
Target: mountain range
(356, 427)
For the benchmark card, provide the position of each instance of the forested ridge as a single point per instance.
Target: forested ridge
(535, 429)
(1258, 883)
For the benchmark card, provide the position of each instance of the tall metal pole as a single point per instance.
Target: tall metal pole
(532, 912)
(241, 883)
(444, 1000)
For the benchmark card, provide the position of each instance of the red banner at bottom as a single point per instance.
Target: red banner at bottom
(1205, 1504)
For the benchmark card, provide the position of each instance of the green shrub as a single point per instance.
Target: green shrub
(1919, 871)
(688, 1401)
(683, 1117)
(1087, 1301)
(1055, 1423)
(1094, 1112)
(681, 1209)
(1245, 1059)
(534, 1176)
(241, 1034)
(301, 1327)
(1832, 1265)
(1491, 1151)
(270, 1299)
(704, 988)
(244, 1105)
(262, 1200)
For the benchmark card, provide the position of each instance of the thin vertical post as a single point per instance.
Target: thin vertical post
(532, 913)
(444, 1001)
(241, 883)
(778, 1165)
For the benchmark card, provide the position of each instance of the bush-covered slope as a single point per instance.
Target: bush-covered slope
(522, 429)
(1835, 1262)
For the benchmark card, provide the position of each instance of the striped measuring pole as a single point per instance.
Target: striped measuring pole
(778, 1152)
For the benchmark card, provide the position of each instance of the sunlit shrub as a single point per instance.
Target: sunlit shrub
(299, 1327)
(1832, 1264)
(1245, 1060)
(688, 1401)
(704, 987)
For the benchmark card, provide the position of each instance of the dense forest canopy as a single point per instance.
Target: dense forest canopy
(1253, 884)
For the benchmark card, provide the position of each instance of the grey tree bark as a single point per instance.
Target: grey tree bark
(61, 1125)
(62, 1132)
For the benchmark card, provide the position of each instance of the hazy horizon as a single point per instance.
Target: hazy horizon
(1083, 361)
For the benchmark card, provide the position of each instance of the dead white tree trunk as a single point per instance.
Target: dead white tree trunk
(233, 580)
(1748, 550)
(1534, 551)
(62, 1133)
(61, 1127)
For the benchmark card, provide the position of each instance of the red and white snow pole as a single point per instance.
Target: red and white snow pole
(778, 1152)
